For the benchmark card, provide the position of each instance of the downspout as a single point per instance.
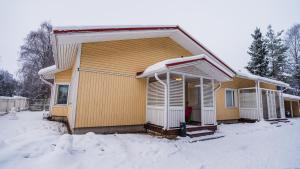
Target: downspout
(166, 100)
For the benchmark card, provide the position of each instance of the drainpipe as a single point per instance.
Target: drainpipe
(166, 100)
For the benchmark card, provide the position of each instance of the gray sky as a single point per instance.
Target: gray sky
(222, 26)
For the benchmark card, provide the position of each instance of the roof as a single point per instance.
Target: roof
(204, 66)
(246, 74)
(66, 40)
(48, 72)
(290, 97)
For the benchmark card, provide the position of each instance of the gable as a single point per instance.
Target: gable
(129, 56)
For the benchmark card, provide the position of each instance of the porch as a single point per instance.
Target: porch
(182, 90)
(259, 103)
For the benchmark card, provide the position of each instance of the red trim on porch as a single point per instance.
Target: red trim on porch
(194, 60)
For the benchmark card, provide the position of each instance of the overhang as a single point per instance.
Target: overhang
(48, 72)
(290, 97)
(199, 66)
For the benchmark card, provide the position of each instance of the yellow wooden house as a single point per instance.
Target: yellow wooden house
(119, 78)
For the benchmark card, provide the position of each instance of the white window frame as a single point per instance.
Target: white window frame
(56, 92)
(234, 97)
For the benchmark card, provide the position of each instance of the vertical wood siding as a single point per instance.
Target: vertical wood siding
(64, 76)
(109, 93)
(61, 77)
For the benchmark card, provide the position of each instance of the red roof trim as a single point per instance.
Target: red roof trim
(112, 29)
(194, 60)
(139, 29)
(194, 40)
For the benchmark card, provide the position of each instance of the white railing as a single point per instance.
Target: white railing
(175, 116)
(155, 115)
(249, 113)
(209, 115)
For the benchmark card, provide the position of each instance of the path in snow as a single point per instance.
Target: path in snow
(30, 142)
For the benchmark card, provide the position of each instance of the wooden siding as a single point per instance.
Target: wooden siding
(295, 107)
(64, 76)
(59, 110)
(61, 77)
(224, 113)
(109, 93)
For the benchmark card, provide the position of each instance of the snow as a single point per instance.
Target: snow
(162, 66)
(246, 74)
(289, 96)
(47, 70)
(65, 28)
(31, 142)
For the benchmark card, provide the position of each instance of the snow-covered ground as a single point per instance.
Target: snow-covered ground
(27, 142)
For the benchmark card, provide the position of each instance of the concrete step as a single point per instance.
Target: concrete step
(199, 133)
(190, 128)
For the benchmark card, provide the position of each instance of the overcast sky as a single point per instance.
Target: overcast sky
(222, 26)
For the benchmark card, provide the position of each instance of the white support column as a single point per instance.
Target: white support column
(202, 106)
(257, 100)
(183, 81)
(214, 101)
(168, 98)
(291, 108)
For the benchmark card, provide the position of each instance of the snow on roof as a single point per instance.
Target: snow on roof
(47, 70)
(62, 28)
(246, 74)
(289, 96)
(162, 66)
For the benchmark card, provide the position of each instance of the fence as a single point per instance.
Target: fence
(17, 102)
(38, 104)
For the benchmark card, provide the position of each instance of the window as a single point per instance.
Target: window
(230, 98)
(62, 94)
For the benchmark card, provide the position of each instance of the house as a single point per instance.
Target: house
(119, 78)
(291, 105)
(250, 97)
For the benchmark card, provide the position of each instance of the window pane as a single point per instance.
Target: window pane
(62, 94)
(229, 98)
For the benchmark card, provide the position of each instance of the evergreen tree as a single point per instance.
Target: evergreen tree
(258, 64)
(276, 54)
(7, 84)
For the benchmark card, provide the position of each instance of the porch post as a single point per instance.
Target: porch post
(214, 101)
(202, 111)
(258, 97)
(256, 92)
(183, 81)
(291, 108)
(168, 99)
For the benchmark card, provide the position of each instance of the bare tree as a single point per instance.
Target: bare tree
(293, 42)
(36, 53)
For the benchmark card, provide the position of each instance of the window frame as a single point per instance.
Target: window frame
(234, 95)
(56, 93)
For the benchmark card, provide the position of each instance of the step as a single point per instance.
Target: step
(199, 133)
(190, 128)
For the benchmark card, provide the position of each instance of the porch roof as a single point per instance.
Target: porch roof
(48, 72)
(290, 97)
(246, 74)
(198, 65)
